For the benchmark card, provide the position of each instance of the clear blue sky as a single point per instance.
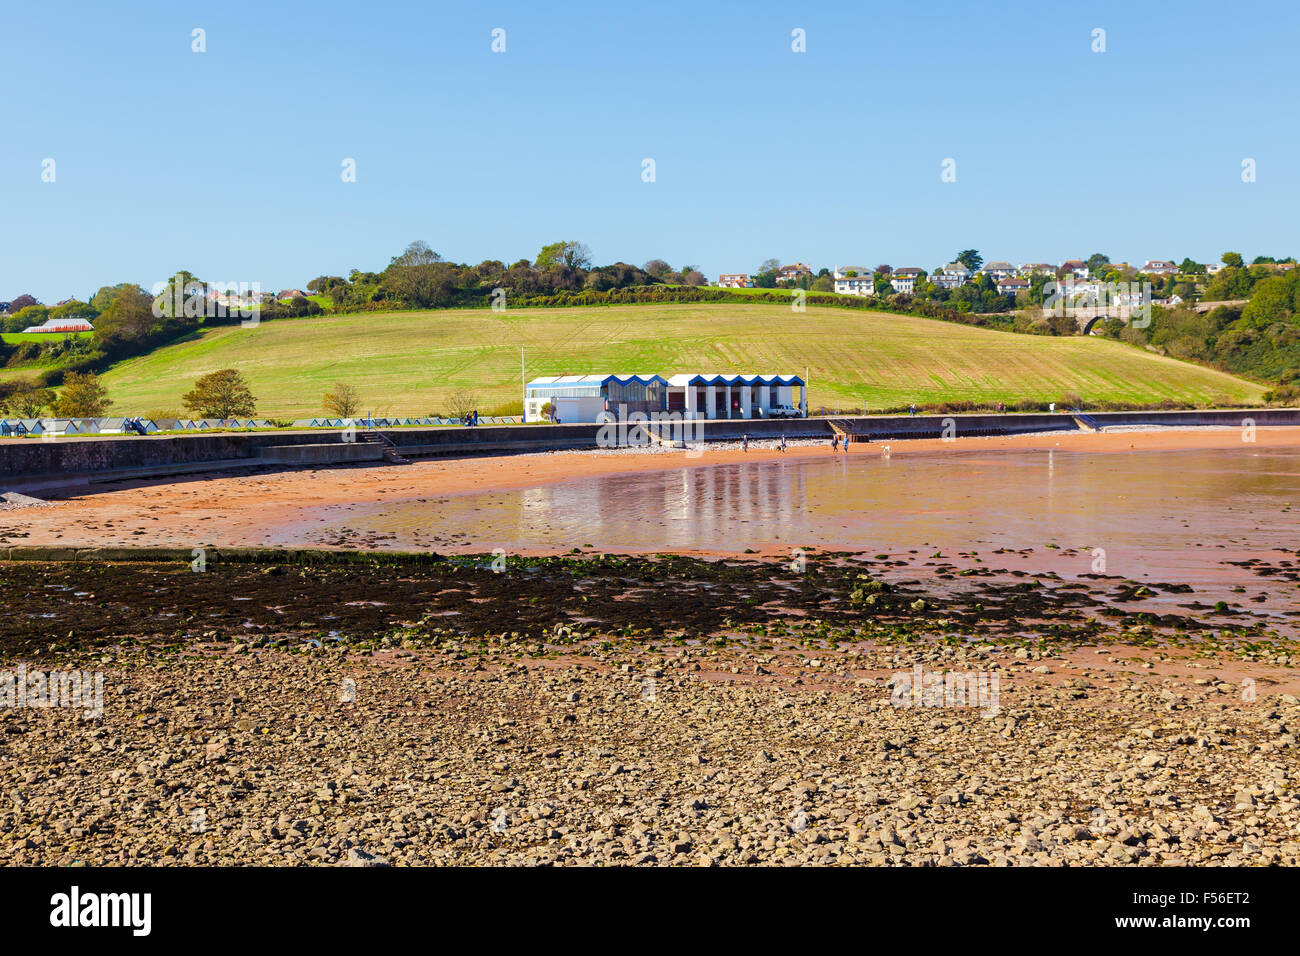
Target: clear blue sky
(227, 163)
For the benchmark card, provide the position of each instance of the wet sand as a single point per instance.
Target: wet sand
(283, 508)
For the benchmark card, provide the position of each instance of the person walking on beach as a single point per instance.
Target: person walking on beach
(835, 442)
(847, 436)
(744, 442)
(783, 443)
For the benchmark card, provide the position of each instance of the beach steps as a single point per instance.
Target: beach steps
(1087, 423)
(388, 448)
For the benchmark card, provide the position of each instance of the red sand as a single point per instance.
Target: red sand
(246, 510)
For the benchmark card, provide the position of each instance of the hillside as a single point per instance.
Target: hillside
(410, 362)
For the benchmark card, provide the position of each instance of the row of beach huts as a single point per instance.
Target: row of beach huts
(398, 422)
(18, 427)
(57, 427)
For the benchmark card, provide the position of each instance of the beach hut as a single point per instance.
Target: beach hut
(61, 426)
(7, 428)
(29, 426)
(110, 426)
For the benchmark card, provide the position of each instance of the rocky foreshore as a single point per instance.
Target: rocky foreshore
(763, 750)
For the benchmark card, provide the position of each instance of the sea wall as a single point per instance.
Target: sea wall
(33, 464)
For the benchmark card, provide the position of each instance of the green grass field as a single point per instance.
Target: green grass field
(12, 338)
(408, 363)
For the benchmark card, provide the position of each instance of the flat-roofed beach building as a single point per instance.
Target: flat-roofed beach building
(693, 395)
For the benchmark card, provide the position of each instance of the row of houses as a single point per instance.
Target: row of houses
(784, 276)
(1009, 278)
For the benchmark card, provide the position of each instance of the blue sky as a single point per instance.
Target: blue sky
(227, 163)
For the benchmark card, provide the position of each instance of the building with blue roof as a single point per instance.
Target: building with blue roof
(694, 395)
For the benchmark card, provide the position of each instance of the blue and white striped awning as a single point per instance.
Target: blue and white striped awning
(678, 381)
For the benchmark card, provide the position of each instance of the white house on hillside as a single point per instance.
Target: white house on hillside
(952, 276)
(861, 284)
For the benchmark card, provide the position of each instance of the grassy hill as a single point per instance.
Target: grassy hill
(409, 362)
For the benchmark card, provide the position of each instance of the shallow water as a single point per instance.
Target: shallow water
(1176, 514)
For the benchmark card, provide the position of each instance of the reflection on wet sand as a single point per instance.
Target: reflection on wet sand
(764, 502)
(1177, 513)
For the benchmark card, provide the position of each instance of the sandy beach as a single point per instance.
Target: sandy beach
(254, 509)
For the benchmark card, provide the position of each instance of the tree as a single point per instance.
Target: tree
(657, 268)
(462, 402)
(971, 259)
(1270, 301)
(29, 315)
(29, 400)
(223, 394)
(108, 294)
(82, 396)
(344, 401)
(572, 254)
(1097, 262)
(417, 253)
(22, 302)
(769, 265)
(694, 277)
(73, 309)
(426, 285)
(326, 283)
(185, 295)
(1232, 260)
(1065, 324)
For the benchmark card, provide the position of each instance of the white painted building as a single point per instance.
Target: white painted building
(583, 398)
(856, 285)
